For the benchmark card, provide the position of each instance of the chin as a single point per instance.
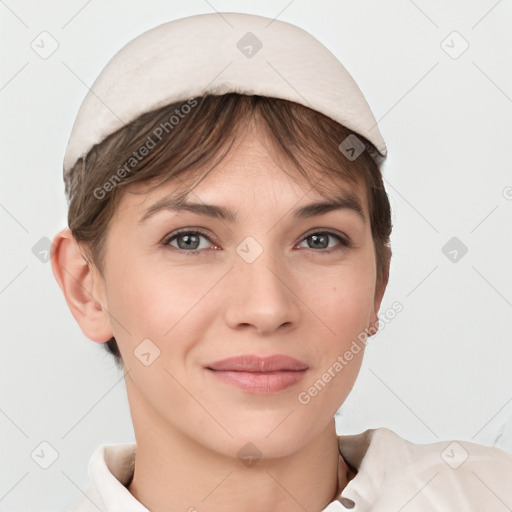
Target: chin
(268, 434)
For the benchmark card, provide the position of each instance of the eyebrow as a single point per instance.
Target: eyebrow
(345, 201)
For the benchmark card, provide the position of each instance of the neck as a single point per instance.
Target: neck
(173, 472)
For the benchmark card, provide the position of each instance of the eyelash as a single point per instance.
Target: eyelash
(344, 243)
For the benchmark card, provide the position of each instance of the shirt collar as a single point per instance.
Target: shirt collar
(111, 468)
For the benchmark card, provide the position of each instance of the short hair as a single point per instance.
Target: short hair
(188, 138)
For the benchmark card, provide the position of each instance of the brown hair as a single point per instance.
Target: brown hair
(197, 134)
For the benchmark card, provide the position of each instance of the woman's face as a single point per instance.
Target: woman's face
(236, 329)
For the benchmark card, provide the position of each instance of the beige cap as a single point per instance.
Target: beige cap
(219, 53)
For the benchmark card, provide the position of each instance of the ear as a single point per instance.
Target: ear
(82, 285)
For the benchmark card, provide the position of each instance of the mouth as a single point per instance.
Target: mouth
(259, 375)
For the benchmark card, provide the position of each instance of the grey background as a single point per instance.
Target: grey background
(440, 370)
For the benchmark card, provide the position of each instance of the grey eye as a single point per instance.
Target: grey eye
(188, 241)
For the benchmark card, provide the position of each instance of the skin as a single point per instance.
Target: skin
(294, 299)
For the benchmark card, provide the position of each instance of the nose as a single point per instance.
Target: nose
(262, 295)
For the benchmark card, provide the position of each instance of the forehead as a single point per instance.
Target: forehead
(251, 173)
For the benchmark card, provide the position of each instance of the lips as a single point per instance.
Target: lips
(256, 364)
(261, 375)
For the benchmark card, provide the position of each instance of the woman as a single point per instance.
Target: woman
(228, 241)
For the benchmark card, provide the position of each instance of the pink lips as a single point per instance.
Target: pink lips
(261, 375)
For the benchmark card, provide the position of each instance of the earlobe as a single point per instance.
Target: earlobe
(77, 279)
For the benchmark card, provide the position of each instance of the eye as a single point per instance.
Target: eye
(188, 241)
(320, 240)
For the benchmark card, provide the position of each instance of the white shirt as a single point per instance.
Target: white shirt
(392, 475)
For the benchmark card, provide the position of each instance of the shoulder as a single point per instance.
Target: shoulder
(394, 473)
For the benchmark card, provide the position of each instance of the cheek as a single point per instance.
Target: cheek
(343, 299)
(344, 305)
(155, 304)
